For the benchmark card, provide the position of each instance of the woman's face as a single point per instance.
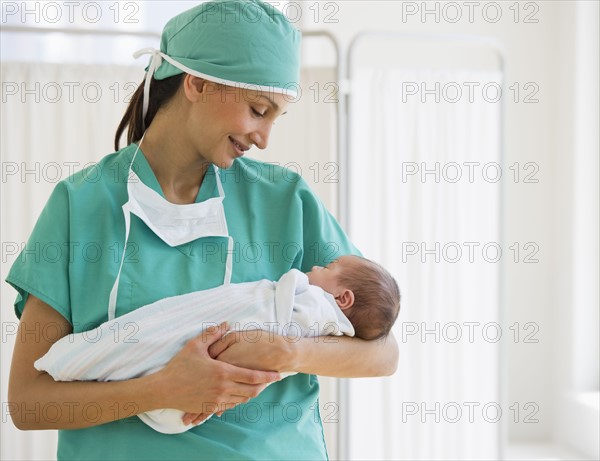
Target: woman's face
(226, 121)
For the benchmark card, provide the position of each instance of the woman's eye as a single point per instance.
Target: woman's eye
(258, 114)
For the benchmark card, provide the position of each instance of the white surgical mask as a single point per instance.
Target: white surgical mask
(174, 224)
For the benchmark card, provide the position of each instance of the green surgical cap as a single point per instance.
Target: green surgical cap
(240, 43)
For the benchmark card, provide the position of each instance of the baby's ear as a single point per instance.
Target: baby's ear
(345, 299)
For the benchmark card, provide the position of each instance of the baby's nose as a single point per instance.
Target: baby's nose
(316, 268)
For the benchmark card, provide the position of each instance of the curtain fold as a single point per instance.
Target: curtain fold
(425, 203)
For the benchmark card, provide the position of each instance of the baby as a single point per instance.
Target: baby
(366, 293)
(350, 296)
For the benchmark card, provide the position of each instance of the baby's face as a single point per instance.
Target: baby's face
(328, 277)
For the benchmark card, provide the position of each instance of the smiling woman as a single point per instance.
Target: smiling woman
(180, 197)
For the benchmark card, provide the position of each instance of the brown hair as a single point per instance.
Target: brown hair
(161, 92)
(376, 299)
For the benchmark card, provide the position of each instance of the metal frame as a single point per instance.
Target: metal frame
(345, 162)
(78, 31)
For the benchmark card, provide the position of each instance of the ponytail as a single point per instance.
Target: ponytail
(161, 92)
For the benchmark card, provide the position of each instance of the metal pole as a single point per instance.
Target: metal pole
(78, 31)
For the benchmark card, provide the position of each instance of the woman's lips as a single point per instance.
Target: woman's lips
(239, 147)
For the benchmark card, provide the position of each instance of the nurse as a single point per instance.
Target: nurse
(181, 209)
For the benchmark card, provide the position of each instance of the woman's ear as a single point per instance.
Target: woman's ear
(194, 87)
(345, 299)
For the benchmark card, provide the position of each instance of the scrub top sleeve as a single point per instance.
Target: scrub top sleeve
(324, 238)
(42, 267)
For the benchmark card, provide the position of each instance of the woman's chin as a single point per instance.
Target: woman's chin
(227, 163)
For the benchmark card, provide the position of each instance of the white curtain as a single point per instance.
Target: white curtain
(425, 203)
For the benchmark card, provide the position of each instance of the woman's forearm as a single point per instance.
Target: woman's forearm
(47, 404)
(36, 401)
(192, 381)
(345, 357)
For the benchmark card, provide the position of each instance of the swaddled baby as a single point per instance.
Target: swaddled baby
(350, 296)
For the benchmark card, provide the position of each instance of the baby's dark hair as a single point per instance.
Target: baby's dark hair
(376, 299)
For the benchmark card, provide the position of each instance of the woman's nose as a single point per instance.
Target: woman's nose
(260, 137)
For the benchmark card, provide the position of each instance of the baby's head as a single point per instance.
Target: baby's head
(367, 293)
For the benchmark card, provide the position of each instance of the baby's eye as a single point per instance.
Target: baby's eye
(257, 113)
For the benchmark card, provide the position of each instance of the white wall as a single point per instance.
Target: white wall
(577, 423)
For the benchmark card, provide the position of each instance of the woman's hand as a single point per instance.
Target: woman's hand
(196, 383)
(320, 355)
(256, 349)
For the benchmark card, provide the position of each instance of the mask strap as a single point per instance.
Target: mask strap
(133, 158)
(112, 299)
(155, 62)
(229, 261)
(218, 181)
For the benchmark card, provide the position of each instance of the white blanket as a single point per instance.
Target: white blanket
(144, 341)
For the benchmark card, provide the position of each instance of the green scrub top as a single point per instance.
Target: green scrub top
(72, 258)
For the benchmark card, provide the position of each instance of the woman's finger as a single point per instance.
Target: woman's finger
(228, 406)
(211, 335)
(218, 346)
(200, 418)
(243, 393)
(246, 376)
(187, 418)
